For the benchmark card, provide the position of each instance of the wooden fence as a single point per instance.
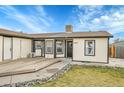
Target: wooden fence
(116, 51)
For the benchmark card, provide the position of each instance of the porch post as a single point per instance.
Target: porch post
(54, 48)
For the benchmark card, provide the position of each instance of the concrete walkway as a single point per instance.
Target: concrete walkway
(35, 64)
(113, 62)
(25, 66)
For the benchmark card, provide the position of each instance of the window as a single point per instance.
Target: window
(59, 47)
(49, 46)
(89, 47)
(38, 44)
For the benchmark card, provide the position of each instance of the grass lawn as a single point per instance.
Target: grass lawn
(83, 76)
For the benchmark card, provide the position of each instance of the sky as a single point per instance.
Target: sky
(53, 18)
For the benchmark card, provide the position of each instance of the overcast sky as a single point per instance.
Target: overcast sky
(42, 19)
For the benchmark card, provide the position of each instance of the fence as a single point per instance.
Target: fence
(116, 51)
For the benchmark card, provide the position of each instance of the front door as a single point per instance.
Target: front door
(69, 48)
(7, 48)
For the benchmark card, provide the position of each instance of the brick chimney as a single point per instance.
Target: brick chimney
(69, 28)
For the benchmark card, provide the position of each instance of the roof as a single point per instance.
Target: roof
(73, 35)
(13, 33)
(57, 35)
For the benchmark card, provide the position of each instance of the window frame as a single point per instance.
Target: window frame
(46, 52)
(85, 54)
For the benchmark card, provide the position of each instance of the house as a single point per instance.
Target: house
(79, 46)
(116, 49)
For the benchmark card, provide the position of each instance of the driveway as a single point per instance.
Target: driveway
(116, 62)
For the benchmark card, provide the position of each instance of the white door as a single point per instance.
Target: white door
(7, 48)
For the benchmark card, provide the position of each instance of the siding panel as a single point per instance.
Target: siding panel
(101, 49)
(16, 48)
(25, 47)
(21, 48)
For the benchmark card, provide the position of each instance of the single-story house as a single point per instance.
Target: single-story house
(79, 46)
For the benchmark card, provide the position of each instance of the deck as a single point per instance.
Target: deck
(24, 70)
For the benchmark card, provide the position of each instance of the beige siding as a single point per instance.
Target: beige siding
(7, 48)
(49, 55)
(16, 48)
(21, 48)
(60, 55)
(100, 50)
(1, 46)
(25, 47)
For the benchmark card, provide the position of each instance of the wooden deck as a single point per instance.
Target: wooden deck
(25, 65)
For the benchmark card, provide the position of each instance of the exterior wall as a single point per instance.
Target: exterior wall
(1, 47)
(21, 48)
(47, 55)
(60, 55)
(26, 45)
(101, 50)
(16, 48)
(7, 50)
